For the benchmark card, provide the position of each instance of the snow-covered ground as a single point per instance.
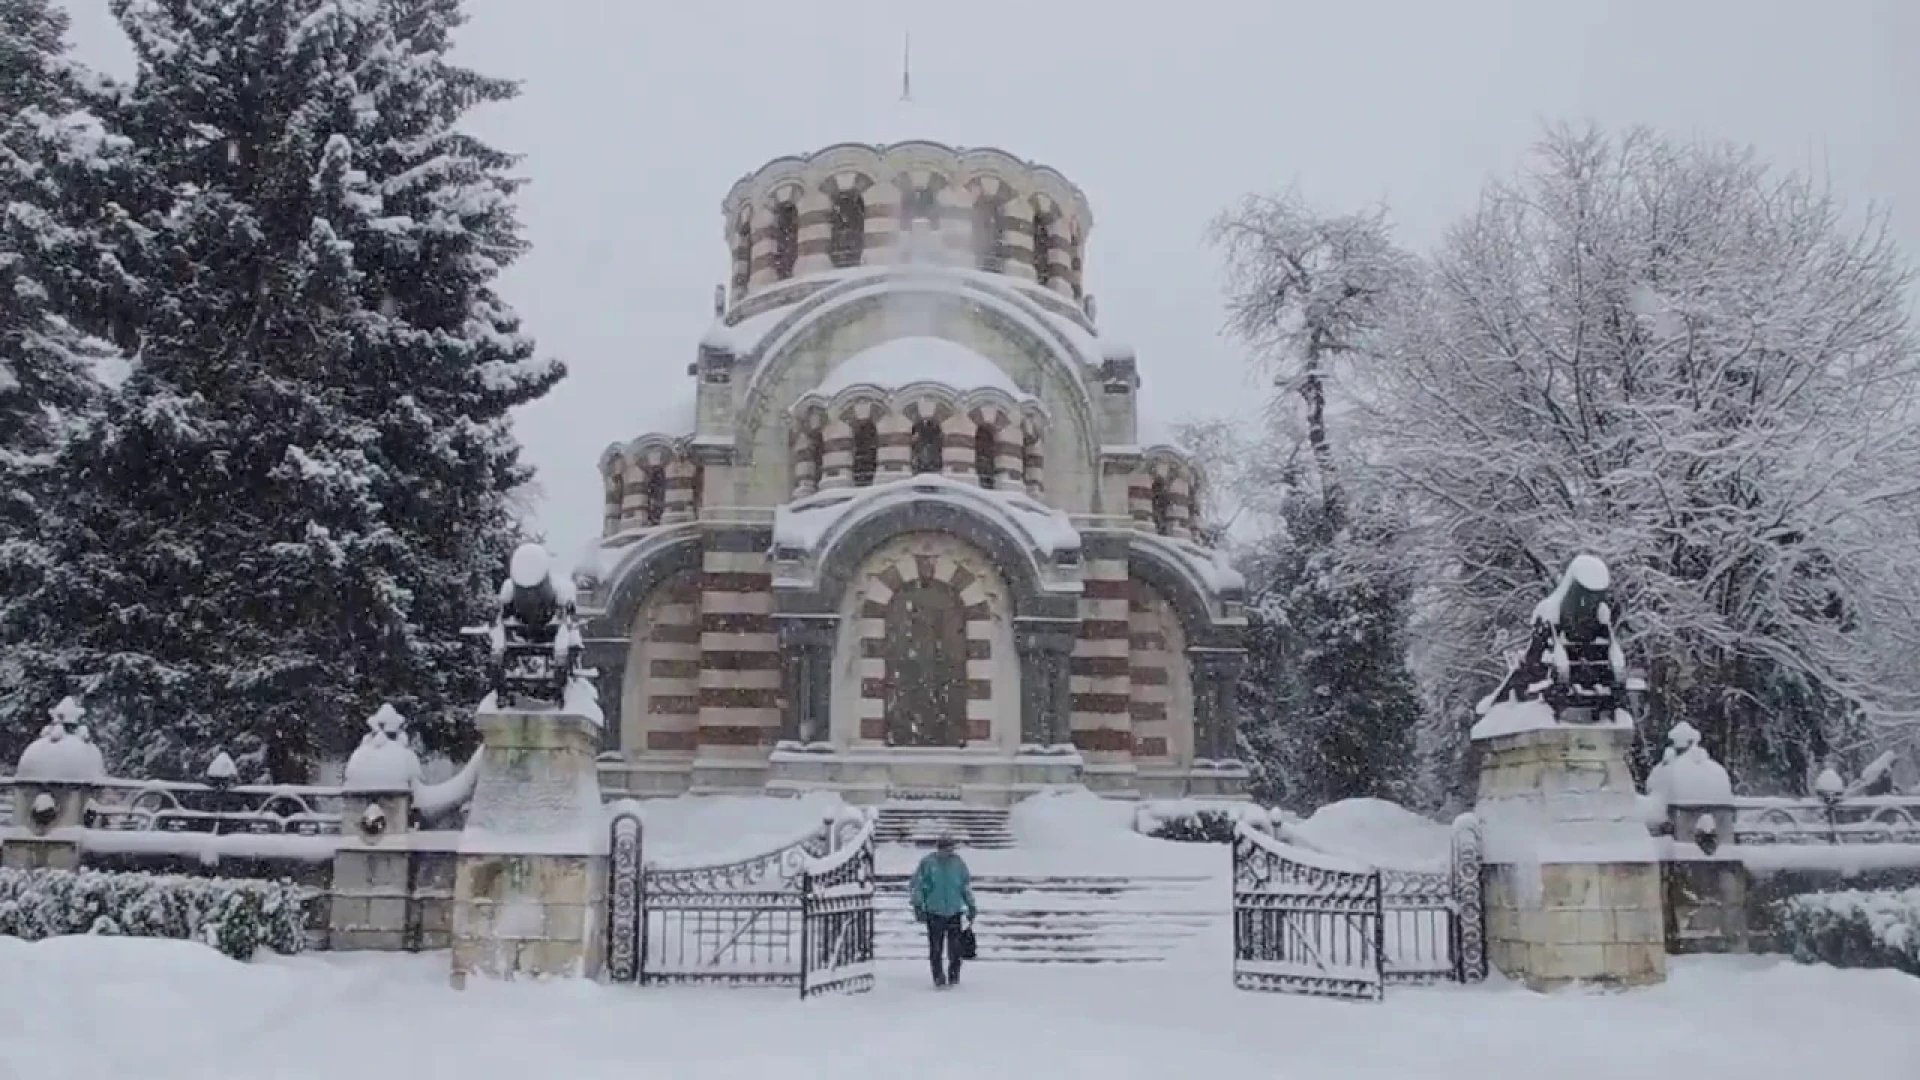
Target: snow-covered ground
(96, 1008)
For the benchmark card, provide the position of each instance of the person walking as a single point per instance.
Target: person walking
(942, 894)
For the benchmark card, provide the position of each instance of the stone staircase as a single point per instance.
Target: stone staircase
(919, 822)
(1064, 919)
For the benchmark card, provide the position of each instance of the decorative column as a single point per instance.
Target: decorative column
(1046, 650)
(1216, 720)
(806, 674)
(606, 657)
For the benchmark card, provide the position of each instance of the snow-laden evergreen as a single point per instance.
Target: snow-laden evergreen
(58, 278)
(299, 493)
(1700, 370)
(1329, 704)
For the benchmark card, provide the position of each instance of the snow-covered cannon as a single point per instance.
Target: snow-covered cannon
(534, 641)
(1573, 660)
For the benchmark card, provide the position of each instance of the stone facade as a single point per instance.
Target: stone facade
(905, 425)
(1573, 881)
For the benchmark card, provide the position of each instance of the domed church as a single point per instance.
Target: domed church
(902, 531)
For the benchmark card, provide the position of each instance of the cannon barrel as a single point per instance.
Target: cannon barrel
(535, 605)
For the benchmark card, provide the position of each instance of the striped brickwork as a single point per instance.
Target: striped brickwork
(1100, 676)
(662, 713)
(890, 179)
(950, 566)
(958, 415)
(1177, 480)
(739, 687)
(1154, 648)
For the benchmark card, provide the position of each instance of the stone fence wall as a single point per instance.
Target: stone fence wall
(381, 863)
(1727, 865)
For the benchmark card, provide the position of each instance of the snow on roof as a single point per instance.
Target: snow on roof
(814, 523)
(1208, 565)
(905, 361)
(1588, 570)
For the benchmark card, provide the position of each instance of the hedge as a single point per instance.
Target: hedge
(1856, 928)
(1202, 826)
(235, 916)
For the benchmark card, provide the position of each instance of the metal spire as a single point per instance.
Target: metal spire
(906, 69)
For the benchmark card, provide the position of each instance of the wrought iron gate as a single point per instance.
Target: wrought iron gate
(836, 920)
(1310, 922)
(736, 923)
(1303, 922)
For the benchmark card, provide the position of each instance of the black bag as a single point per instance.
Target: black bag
(968, 947)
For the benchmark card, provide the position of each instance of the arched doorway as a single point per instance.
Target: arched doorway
(926, 657)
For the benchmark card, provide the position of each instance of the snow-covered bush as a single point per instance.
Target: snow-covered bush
(1856, 928)
(1195, 827)
(236, 917)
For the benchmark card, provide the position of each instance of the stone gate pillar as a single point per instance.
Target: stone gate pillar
(530, 880)
(1573, 889)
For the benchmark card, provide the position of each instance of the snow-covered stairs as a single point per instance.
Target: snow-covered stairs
(919, 822)
(1064, 918)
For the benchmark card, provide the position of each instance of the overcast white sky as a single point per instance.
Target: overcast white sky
(639, 114)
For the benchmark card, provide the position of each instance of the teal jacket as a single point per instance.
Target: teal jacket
(942, 885)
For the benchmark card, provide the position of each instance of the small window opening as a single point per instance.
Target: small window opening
(1161, 501)
(988, 222)
(926, 447)
(786, 239)
(848, 238)
(985, 447)
(1042, 249)
(866, 453)
(656, 494)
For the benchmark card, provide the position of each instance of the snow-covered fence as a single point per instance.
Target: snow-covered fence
(1861, 819)
(736, 923)
(836, 916)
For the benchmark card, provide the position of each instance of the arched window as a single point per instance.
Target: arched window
(866, 453)
(985, 448)
(926, 453)
(1160, 502)
(656, 494)
(817, 453)
(699, 486)
(743, 253)
(926, 657)
(988, 222)
(848, 238)
(1042, 249)
(786, 239)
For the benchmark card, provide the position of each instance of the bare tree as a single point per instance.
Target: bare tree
(1673, 357)
(1305, 290)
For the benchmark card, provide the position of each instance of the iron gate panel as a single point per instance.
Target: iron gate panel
(1303, 922)
(1418, 931)
(736, 923)
(836, 922)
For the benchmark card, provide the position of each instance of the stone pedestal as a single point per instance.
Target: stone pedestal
(530, 880)
(47, 817)
(1573, 885)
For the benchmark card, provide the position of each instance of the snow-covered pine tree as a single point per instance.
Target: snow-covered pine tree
(1330, 705)
(1666, 354)
(253, 568)
(443, 361)
(59, 280)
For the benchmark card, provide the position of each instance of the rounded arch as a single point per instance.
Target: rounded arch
(925, 653)
(1188, 597)
(639, 573)
(1003, 312)
(846, 550)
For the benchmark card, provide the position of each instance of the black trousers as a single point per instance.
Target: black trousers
(943, 937)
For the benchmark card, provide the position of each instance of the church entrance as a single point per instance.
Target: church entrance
(926, 657)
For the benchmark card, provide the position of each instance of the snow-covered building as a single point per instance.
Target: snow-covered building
(903, 526)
